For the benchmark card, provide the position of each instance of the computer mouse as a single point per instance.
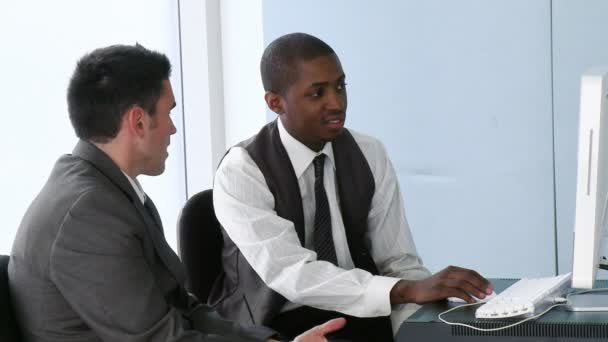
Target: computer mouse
(458, 300)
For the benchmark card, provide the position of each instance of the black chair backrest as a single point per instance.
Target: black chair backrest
(9, 330)
(200, 241)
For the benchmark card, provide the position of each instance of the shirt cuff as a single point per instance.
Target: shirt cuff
(377, 299)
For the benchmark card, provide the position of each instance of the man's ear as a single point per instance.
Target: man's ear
(135, 121)
(275, 102)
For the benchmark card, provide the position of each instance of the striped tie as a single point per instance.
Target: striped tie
(324, 243)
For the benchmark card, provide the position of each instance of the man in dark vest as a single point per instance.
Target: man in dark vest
(314, 225)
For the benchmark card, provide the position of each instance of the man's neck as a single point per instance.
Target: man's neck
(119, 156)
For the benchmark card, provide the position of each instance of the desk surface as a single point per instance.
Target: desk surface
(556, 325)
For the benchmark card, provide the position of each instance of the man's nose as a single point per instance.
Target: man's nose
(173, 129)
(335, 101)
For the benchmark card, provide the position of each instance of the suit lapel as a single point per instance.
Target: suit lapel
(165, 252)
(151, 209)
(105, 165)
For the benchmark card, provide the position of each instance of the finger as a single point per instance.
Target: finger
(480, 283)
(463, 286)
(455, 271)
(331, 326)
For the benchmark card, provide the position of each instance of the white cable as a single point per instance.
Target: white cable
(491, 329)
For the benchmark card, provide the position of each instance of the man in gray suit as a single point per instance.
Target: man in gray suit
(90, 261)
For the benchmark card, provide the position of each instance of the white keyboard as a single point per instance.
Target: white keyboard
(526, 297)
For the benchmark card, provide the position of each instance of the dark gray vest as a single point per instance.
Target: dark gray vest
(239, 293)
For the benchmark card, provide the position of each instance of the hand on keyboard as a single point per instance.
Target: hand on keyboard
(453, 281)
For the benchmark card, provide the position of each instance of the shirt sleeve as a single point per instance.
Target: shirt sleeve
(389, 237)
(245, 207)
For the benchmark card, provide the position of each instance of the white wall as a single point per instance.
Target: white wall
(223, 97)
(41, 42)
(220, 104)
(203, 95)
(242, 47)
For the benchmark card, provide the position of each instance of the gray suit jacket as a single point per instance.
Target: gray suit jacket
(90, 263)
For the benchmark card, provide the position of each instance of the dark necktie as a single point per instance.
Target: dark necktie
(324, 243)
(151, 209)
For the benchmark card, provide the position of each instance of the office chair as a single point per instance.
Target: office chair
(9, 331)
(200, 243)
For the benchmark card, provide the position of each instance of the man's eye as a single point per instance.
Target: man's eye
(317, 92)
(341, 86)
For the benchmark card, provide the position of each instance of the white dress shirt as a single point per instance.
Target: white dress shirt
(245, 207)
(139, 191)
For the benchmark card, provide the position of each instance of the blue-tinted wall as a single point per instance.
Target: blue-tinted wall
(468, 97)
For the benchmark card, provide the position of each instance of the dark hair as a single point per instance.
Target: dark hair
(110, 80)
(278, 61)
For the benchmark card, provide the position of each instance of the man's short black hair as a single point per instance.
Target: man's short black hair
(278, 61)
(109, 81)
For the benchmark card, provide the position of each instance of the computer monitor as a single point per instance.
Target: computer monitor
(592, 178)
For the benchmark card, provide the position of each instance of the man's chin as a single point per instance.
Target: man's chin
(155, 172)
(333, 133)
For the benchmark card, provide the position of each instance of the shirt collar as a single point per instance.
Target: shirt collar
(137, 187)
(300, 155)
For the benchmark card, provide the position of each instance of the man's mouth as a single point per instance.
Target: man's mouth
(335, 123)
